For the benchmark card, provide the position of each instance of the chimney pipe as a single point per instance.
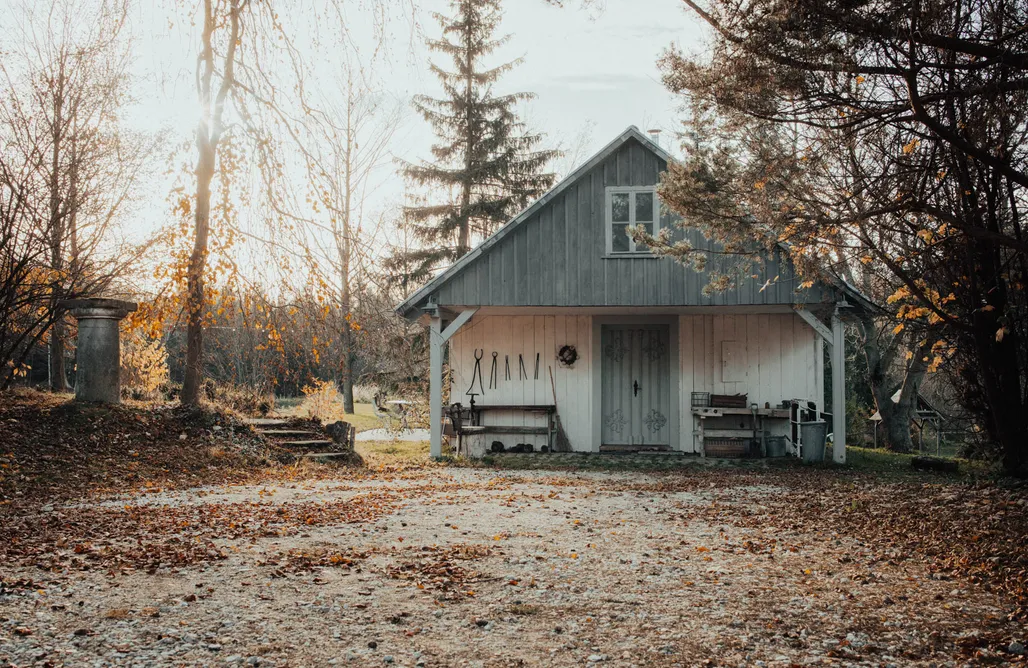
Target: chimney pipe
(654, 135)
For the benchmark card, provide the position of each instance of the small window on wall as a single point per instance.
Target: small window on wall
(628, 207)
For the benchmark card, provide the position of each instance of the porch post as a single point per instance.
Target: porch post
(435, 387)
(838, 389)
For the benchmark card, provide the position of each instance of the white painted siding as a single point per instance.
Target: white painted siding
(527, 335)
(779, 358)
(781, 354)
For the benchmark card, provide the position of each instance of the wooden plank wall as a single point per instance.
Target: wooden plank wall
(527, 335)
(783, 360)
(556, 258)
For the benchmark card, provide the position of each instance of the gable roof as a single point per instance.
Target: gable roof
(610, 149)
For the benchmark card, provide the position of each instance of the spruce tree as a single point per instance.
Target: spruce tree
(486, 164)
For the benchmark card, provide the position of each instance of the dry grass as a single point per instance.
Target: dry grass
(386, 453)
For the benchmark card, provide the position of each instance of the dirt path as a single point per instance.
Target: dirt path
(448, 567)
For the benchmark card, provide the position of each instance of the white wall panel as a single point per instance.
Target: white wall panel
(781, 353)
(528, 335)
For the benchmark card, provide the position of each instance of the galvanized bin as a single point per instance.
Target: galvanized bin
(812, 439)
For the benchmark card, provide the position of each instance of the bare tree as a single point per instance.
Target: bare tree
(246, 49)
(66, 80)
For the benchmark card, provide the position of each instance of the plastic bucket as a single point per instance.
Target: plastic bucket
(812, 436)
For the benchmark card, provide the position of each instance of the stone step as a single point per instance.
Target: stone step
(288, 432)
(265, 422)
(322, 456)
(319, 443)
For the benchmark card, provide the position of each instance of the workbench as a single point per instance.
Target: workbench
(759, 418)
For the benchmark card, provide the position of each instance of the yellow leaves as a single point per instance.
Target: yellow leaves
(807, 284)
(987, 308)
(926, 235)
(759, 185)
(1000, 334)
(911, 146)
(898, 328)
(860, 79)
(901, 293)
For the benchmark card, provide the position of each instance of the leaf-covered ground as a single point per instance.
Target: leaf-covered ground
(428, 565)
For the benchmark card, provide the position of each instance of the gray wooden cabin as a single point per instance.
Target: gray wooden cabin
(649, 342)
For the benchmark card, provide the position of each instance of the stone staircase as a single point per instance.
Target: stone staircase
(308, 438)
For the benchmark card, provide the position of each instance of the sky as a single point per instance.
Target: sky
(593, 71)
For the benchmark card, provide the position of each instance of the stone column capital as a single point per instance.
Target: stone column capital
(97, 308)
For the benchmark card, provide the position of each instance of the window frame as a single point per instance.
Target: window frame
(608, 217)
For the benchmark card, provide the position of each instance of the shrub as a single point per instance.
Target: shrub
(322, 400)
(241, 399)
(144, 366)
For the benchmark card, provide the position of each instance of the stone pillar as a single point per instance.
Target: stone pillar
(98, 358)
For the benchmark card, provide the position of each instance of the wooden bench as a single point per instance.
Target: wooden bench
(461, 416)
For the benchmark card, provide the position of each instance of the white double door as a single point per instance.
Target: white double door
(636, 385)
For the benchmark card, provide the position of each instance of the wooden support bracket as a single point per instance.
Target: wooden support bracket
(816, 324)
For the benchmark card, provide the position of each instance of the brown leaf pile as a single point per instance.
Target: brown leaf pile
(434, 567)
(974, 530)
(52, 448)
(150, 536)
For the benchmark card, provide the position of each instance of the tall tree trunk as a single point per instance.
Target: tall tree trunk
(58, 379)
(208, 134)
(896, 415)
(345, 249)
(464, 237)
(345, 331)
(197, 264)
(1001, 381)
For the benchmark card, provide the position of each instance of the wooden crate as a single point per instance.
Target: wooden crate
(726, 447)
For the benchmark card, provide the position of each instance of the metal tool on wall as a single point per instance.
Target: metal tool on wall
(479, 354)
(522, 374)
(506, 363)
(492, 372)
(537, 366)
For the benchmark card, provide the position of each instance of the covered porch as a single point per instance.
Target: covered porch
(772, 354)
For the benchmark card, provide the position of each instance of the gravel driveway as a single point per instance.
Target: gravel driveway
(453, 567)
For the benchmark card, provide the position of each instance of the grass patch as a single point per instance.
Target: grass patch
(884, 461)
(363, 417)
(385, 453)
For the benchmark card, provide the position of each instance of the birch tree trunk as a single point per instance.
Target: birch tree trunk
(208, 134)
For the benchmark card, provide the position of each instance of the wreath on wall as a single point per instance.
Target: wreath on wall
(567, 355)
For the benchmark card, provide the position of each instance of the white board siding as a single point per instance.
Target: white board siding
(527, 335)
(782, 360)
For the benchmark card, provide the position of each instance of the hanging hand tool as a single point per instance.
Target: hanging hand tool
(522, 374)
(492, 373)
(479, 353)
(506, 363)
(537, 366)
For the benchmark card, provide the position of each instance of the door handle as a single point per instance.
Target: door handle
(635, 388)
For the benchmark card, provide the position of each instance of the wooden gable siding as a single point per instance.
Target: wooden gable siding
(557, 256)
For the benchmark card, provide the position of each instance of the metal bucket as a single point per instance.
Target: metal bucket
(775, 446)
(812, 437)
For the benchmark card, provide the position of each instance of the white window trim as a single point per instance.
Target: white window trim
(609, 223)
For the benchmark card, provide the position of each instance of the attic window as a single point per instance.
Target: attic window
(628, 207)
